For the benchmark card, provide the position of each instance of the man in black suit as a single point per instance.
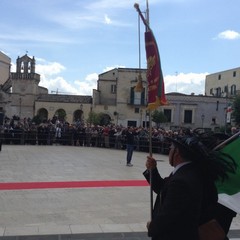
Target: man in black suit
(178, 205)
(188, 197)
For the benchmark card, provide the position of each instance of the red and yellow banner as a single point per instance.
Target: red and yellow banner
(156, 92)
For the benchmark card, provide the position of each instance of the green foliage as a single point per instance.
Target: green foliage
(61, 114)
(98, 119)
(37, 119)
(158, 117)
(94, 118)
(104, 119)
(236, 108)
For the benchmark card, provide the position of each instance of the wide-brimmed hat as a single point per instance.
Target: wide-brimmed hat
(215, 164)
(190, 146)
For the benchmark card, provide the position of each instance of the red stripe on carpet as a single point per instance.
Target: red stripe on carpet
(72, 184)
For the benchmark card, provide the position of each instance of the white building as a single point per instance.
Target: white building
(223, 84)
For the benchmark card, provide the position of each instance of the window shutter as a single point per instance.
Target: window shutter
(132, 95)
(142, 97)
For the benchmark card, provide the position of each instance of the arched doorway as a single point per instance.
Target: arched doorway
(78, 116)
(43, 114)
(61, 115)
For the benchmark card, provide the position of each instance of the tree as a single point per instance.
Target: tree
(37, 119)
(236, 109)
(61, 114)
(104, 119)
(98, 118)
(158, 117)
(94, 118)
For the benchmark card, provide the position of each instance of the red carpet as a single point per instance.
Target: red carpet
(72, 184)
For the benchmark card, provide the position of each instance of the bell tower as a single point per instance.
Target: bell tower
(25, 80)
(25, 64)
(24, 86)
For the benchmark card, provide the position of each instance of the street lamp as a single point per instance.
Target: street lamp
(202, 117)
(20, 107)
(140, 121)
(81, 113)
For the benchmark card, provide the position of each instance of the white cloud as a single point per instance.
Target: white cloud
(58, 85)
(186, 83)
(85, 87)
(49, 68)
(51, 78)
(229, 34)
(107, 19)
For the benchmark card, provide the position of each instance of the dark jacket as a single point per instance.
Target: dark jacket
(130, 137)
(177, 212)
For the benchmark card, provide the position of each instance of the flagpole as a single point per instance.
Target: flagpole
(146, 23)
(150, 125)
(147, 13)
(141, 16)
(227, 141)
(150, 173)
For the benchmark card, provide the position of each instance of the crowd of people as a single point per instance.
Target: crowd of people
(54, 131)
(15, 131)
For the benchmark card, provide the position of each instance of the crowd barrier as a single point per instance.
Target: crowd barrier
(21, 137)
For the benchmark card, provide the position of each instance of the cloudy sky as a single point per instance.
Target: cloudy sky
(74, 41)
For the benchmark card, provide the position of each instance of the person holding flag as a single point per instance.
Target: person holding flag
(188, 198)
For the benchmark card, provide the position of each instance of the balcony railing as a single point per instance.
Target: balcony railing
(136, 102)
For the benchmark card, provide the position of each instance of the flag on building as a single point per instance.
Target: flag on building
(228, 113)
(156, 92)
(229, 190)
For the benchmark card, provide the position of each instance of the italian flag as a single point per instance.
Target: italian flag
(229, 190)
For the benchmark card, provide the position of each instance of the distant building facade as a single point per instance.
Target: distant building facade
(5, 65)
(116, 97)
(223, 84)
(21, 95)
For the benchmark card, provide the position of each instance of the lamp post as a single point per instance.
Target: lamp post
(140, 120)
(202, 117)
(20, 107)
(90, 116)
(81, 113)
